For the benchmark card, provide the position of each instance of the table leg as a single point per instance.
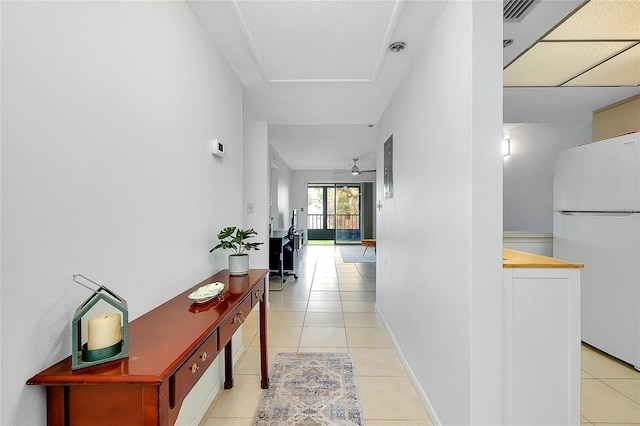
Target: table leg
(264, 364)
(57, 396)
(228, 366)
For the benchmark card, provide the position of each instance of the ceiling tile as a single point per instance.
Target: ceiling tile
(553, 63)
(622, 70)
(601, 20)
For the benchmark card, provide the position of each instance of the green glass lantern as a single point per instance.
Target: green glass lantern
(105, 317)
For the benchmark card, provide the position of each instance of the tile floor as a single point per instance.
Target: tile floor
(331, 308)
(610, 390)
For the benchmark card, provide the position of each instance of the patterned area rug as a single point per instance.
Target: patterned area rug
(356, 254)
(311, 389)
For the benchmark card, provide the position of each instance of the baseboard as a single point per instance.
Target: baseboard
(421, 394)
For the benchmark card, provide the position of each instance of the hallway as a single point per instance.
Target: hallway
(330, 308)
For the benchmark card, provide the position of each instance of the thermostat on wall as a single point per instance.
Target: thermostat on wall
(217, 148)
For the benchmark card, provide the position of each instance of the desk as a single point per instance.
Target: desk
(170, 347)
(281, 255)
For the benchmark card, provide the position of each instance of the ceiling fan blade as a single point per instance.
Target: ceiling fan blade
(354, 170)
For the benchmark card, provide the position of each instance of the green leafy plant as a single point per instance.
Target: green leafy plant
(234, 238)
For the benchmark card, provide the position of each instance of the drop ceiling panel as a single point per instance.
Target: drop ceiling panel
(601, 20)
(551, 63)
(623, 70)
(318, 40)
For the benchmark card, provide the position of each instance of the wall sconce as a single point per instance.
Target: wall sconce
(506, 147)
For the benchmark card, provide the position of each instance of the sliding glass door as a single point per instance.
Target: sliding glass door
(333, 213)
(347, 214)
(320, 201)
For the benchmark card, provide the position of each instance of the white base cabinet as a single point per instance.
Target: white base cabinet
(541, 346)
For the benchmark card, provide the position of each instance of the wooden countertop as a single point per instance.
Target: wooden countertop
(520, 259)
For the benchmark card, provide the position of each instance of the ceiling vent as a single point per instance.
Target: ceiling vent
(516, 10)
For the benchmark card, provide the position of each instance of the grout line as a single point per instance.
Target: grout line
(608, 385)
(313, 277)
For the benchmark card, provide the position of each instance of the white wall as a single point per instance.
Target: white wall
(283, 218)
(439, 266)
(256, 188)
(537, 243)
(528, 172)
(108, 109)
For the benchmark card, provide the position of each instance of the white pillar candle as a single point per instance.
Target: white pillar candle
(104, 331)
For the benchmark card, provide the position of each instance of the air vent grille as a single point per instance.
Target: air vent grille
(516, 10)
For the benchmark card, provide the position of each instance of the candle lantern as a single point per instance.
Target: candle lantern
(103, 318)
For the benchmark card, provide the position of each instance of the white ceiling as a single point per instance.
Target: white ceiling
(317, 62)
(304, 49)
(320, 71)
(336, 145)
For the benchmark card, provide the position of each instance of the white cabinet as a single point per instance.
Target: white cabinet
(541, 341)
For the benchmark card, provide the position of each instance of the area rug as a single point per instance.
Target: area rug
(311, 389)
(357, 254)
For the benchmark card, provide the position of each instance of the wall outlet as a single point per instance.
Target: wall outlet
(249, 207)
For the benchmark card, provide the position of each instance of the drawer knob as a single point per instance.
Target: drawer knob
(239, 318)
(204, 356)
(194, 368)
(259, 293)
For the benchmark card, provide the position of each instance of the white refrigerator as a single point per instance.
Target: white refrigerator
(597, 222)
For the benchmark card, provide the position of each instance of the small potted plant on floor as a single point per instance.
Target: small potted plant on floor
(235, 239)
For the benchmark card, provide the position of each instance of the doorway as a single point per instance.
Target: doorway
(334, 213)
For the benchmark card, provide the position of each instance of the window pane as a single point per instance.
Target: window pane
(314, 208)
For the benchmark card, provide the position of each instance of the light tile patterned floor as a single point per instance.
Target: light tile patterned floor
(331, 308)
(610, 390)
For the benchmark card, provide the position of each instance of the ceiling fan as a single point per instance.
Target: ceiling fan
(355, 170)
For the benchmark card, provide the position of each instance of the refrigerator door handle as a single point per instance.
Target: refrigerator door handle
(598, 213)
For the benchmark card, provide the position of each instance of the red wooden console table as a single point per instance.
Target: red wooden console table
(170, 347)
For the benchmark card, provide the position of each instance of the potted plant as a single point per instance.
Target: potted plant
(235, 239)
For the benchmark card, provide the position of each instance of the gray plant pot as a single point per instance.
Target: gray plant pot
(238, 264)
